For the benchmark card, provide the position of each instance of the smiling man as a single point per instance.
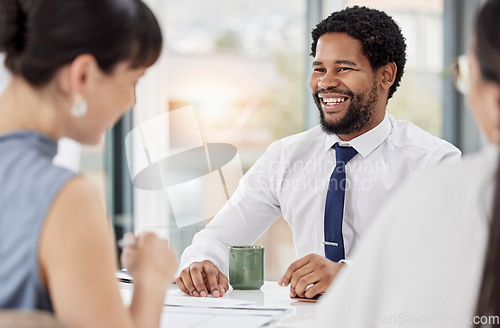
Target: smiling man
(328, 182)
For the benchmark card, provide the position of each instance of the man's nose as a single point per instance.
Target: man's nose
(328, 82)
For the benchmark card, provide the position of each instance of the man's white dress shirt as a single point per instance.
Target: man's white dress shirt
(421, 264)
(292, 178)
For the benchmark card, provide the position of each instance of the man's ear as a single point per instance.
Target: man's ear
(388, 74)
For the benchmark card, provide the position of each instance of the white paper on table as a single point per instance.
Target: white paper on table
(215, 317)
(176, 297)
(182, 311)
(195, 320)
(181, 320)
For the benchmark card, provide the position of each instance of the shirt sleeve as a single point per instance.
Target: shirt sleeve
(447, 154)
(252, 209)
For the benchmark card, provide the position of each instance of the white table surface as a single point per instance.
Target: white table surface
(270, 295)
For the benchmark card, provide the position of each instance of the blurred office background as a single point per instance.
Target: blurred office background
(244, 68)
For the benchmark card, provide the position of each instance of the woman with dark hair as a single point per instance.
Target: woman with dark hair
(74, 68)
(433, 257)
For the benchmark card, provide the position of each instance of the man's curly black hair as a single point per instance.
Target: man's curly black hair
(379, 35)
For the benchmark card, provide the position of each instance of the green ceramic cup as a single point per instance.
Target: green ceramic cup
(246, 267)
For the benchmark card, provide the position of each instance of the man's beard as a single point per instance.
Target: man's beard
(358, 113)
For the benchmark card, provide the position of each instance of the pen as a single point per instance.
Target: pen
(123, 276)
(126, 281)
(330, 243)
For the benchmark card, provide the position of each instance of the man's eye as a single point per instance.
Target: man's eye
(319, 69)
(342, 69)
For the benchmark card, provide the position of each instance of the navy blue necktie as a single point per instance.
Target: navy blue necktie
(334, 209)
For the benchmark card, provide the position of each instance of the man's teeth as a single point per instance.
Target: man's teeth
(333, 101)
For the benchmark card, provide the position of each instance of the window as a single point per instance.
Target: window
(241, 69)
(419, 97)
(240, 66)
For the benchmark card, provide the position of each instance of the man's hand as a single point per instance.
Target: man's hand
(312, 269)
(202, 278)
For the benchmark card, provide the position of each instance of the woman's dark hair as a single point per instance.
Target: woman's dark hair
(487, 51)
(41, 36)
(379, 35)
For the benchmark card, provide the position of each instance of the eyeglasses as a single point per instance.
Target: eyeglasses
(461, 75)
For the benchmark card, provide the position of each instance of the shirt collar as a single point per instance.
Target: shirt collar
(367, 142)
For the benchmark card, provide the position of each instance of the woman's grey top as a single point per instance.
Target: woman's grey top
(29, 183)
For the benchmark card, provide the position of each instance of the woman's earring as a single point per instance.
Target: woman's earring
(79, 107)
